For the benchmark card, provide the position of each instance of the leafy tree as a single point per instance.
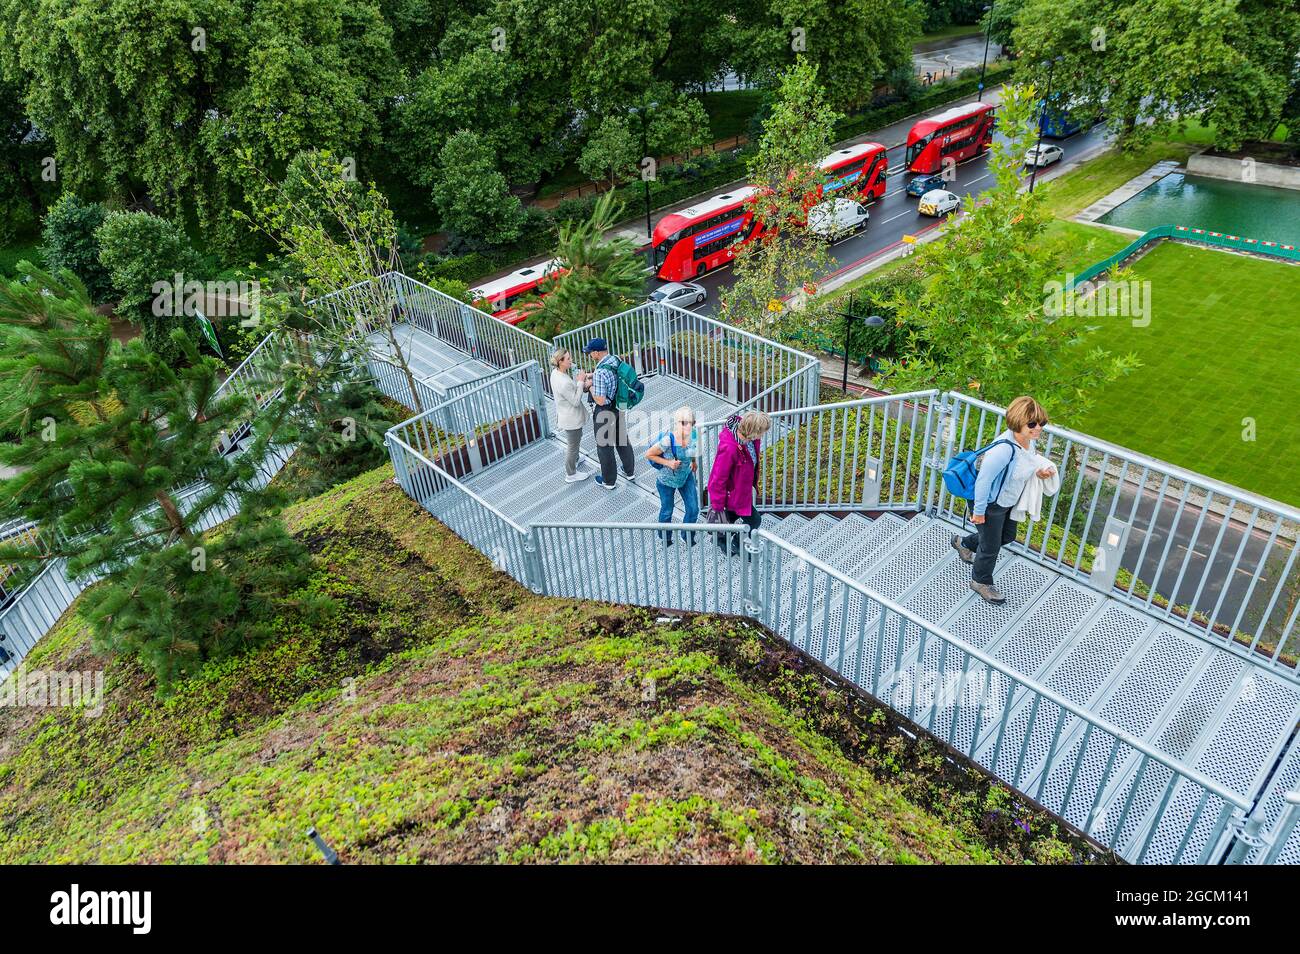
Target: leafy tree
(1150, 64)
(20, 167)
(327, 411)
(334, 238)
(611, 154)
(774, 291)
(850, 41)
(601, 276)
(982, 322)
(138, 251)
(475, 91)
(120, 431)
(472, 196)
(677, 125)
(1002, 21)
(69, 242)
(150, 101)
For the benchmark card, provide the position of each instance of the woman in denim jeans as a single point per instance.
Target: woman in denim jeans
(674, 454)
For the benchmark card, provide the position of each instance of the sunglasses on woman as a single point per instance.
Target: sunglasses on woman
(1036, 424)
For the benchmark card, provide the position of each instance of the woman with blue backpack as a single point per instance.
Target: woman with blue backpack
(674, 455)
(993, 490)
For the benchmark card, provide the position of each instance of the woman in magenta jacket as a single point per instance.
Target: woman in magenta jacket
(734, 478)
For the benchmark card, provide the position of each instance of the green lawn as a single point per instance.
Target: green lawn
(953, 30)
(1222, 346)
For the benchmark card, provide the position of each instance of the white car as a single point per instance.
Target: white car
(939, 202)
(1043, 155)
(837, 218)
(681, 294)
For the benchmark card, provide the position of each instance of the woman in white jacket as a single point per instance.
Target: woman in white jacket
(570, 412)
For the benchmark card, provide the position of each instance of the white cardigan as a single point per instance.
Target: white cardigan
(570, 412)
(1030, 503)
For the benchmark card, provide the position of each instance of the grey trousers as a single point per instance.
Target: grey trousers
(573, 444)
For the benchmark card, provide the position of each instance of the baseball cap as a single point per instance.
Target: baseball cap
(595, 344)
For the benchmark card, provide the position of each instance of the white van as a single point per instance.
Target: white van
(834, 219)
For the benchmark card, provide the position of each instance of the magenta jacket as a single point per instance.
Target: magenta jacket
(734, 476)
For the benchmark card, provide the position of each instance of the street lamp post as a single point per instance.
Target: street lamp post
(988, 27)
(1042, 116)
(872, 321)
(645, 181)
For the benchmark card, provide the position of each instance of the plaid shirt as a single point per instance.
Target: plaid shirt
(604, 380)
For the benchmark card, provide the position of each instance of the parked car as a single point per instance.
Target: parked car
(837, 218)
(1043, 155)
(939, 202)
(920, 185)
(681, 294)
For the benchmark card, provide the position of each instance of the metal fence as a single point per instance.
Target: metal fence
(872, 454)
(736, 366)
(1210, 557)
(463, 434)
(471, 517)
(465, 328)
(1113, 786)
(638, 336)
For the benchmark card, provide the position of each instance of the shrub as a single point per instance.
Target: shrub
(68, 241)
(139, 250)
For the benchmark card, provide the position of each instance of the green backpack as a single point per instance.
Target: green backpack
(630, 389)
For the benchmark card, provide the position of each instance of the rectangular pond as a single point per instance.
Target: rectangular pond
(1238, 208)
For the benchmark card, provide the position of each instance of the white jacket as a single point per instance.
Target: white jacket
(570, 412)
(1030, 503)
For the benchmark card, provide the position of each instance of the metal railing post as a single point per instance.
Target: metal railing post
(1286, 824)
(753, 570)
(534, 563)
(1245, 838)
(535, 381)
(467, 322)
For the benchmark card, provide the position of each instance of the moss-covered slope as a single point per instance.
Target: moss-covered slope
(446, 714)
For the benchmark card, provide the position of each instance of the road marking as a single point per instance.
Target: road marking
(898, 216)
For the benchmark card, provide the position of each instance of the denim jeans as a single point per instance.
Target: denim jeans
(690, 504)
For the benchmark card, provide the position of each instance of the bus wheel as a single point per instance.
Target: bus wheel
(699, 272)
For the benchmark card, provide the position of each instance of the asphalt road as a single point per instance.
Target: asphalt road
(895, 215)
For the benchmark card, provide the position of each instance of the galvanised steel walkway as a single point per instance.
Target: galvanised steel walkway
(1140, 680)
(1142, 698)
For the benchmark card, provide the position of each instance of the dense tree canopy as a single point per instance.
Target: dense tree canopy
(1148, 63)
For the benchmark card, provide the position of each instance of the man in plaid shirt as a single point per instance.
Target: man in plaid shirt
(607, 420)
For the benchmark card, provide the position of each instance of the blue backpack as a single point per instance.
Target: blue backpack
(959, 475)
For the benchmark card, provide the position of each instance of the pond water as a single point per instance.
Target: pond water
(1251, 211)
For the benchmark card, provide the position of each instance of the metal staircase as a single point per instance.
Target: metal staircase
(1133, 719)
(1145, 692)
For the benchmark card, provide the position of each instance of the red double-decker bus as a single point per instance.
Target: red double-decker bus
(856, 172)
(695, 240)
(960, 133)
(498, 297)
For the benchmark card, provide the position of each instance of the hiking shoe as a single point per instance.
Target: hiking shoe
(988, 592)
(967, 556)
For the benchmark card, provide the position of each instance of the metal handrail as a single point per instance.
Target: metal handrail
(1084, 532)
(443, 475)
(984, 659)
(1284, 510)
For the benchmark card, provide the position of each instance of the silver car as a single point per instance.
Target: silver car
(681, 294)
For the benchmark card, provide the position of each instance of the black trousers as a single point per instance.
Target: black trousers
(612, 444)
(989, 538)
(751, 520)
